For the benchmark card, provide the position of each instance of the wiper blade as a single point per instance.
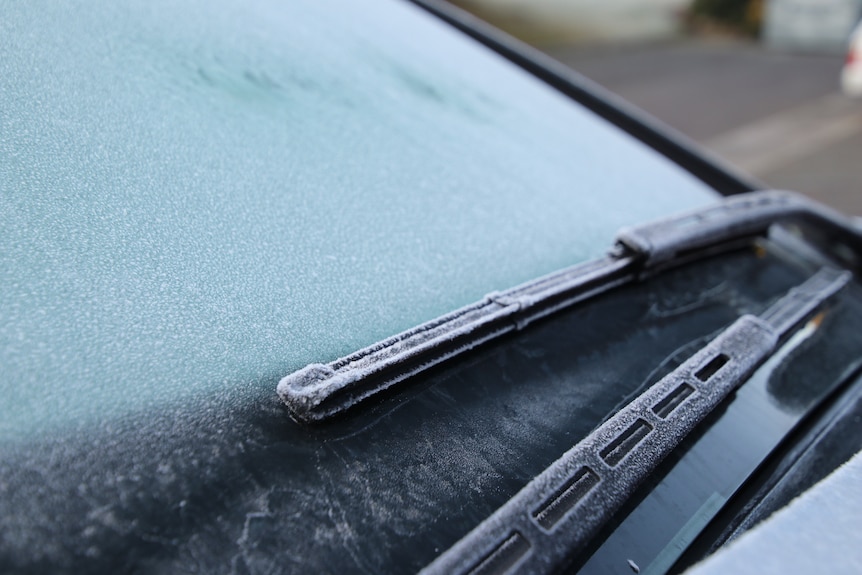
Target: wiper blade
(558, 513)
(319, 392)
(322, 391)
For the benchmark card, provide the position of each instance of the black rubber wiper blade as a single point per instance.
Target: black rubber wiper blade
(321, 391)
(559, 512)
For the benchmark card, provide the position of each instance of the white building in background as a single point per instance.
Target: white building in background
(592, 20)
(789, 24)
(810, 24)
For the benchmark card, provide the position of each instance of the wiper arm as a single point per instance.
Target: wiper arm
(737, 219)
(322, 391)
(563, 508)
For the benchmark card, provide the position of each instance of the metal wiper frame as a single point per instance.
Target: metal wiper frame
(322, 391)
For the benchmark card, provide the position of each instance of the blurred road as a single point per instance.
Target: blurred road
(779, 116)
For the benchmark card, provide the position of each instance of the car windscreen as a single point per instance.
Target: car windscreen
(197, 198)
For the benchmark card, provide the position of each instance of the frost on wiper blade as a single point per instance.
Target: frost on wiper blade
(321, 391)
(737, 219)
(559, 512)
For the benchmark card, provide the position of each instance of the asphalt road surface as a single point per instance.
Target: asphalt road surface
(776, 115)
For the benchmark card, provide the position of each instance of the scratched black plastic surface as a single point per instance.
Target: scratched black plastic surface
(201, 487)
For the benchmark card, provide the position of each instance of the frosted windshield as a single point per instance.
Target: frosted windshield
(204, 196)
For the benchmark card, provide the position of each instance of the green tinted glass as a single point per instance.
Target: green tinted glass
(207, 195)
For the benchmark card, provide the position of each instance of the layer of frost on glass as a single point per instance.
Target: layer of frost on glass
(202, 196)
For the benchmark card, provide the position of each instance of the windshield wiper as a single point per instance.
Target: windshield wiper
(322, 391)
(559, 512)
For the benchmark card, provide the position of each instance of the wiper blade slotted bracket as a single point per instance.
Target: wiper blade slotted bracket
(322, 391)
(563, 508)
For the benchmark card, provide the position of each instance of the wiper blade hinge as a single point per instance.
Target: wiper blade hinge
(737, 219)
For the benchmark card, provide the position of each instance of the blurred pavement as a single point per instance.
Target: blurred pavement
(777, 115)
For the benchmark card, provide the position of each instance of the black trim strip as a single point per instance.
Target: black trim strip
(625, 449)
(321, 391)
(657, 135)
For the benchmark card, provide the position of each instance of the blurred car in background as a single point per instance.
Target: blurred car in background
(851, 74)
